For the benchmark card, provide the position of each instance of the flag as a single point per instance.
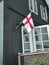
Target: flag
(28, 22)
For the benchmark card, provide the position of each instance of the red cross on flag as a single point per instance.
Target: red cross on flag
(28, 22)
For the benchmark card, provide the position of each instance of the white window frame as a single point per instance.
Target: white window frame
(33, 6)
(32, 46)
(45, 33)
(44, 15)
(40, 41)
(33, 41)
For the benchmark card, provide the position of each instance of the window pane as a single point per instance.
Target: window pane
(39, 46)
(26, 38)
(25, 31)
(45, 12)
(45, 37)
(39, 43)
(44, 30)
(37, 31)
(35, 6)
(42, 12)
(38, 37)
(31, 4)
(46, 43)
(26, 46)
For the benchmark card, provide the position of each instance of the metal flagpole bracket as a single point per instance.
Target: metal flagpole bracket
(19, 24)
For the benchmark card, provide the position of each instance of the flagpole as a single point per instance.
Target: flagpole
(19, 25)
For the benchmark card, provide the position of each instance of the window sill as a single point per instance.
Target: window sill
(44, 19)
(32, 53)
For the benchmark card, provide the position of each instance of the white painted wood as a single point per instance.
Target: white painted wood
(31, 41)
(22, 40)
(1, 31)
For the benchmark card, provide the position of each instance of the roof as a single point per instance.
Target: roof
(46, 3)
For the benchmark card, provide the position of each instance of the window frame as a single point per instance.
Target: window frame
(47, 26)
(33, 7)
(33, 47)
(42, 8)
(46, 14)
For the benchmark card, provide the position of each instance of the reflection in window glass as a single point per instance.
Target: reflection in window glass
(45, 37)
(39, 43)
(46, 43)
(26, 38)
(38, 37)
(37, 31)
(26, 46)
(44, 30)
(39, 46)
(25, 31)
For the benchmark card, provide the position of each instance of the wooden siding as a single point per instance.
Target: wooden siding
(14, 12)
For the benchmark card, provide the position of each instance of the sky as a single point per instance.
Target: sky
(47, 2)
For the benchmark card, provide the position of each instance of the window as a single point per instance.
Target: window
(43, 12)
(27, 41)
(36, 40)
(42, 37)
(33, 6)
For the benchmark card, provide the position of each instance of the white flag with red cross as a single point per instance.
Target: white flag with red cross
(28, 22)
